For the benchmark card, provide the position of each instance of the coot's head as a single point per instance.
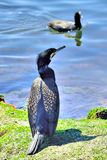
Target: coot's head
(77, 20)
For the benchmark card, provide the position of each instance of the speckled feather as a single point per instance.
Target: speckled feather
(44, 95)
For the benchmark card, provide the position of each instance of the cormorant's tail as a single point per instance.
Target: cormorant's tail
(35, 144)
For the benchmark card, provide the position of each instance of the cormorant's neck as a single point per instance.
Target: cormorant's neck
(48, 73)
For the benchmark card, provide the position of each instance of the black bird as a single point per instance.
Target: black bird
(64, 26)
(43, 105)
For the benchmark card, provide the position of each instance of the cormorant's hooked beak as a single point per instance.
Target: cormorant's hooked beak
(58, 49)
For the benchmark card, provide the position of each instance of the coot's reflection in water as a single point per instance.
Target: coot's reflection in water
(77, 37)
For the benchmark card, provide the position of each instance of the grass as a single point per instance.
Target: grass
(84, 139)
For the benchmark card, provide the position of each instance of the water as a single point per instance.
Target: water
(80, 70)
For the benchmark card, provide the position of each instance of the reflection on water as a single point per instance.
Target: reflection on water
(80, 68)
(77, 37)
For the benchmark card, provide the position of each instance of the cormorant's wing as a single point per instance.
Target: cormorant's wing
(51, 103)
(33, 104)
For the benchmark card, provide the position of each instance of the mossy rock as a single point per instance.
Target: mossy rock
(99, 112)
(2, 98)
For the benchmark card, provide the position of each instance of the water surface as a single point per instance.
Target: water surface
(80, 70)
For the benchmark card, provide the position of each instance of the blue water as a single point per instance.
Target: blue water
(80, 70)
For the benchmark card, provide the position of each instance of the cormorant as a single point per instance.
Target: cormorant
(43, 104)
(64, 26)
